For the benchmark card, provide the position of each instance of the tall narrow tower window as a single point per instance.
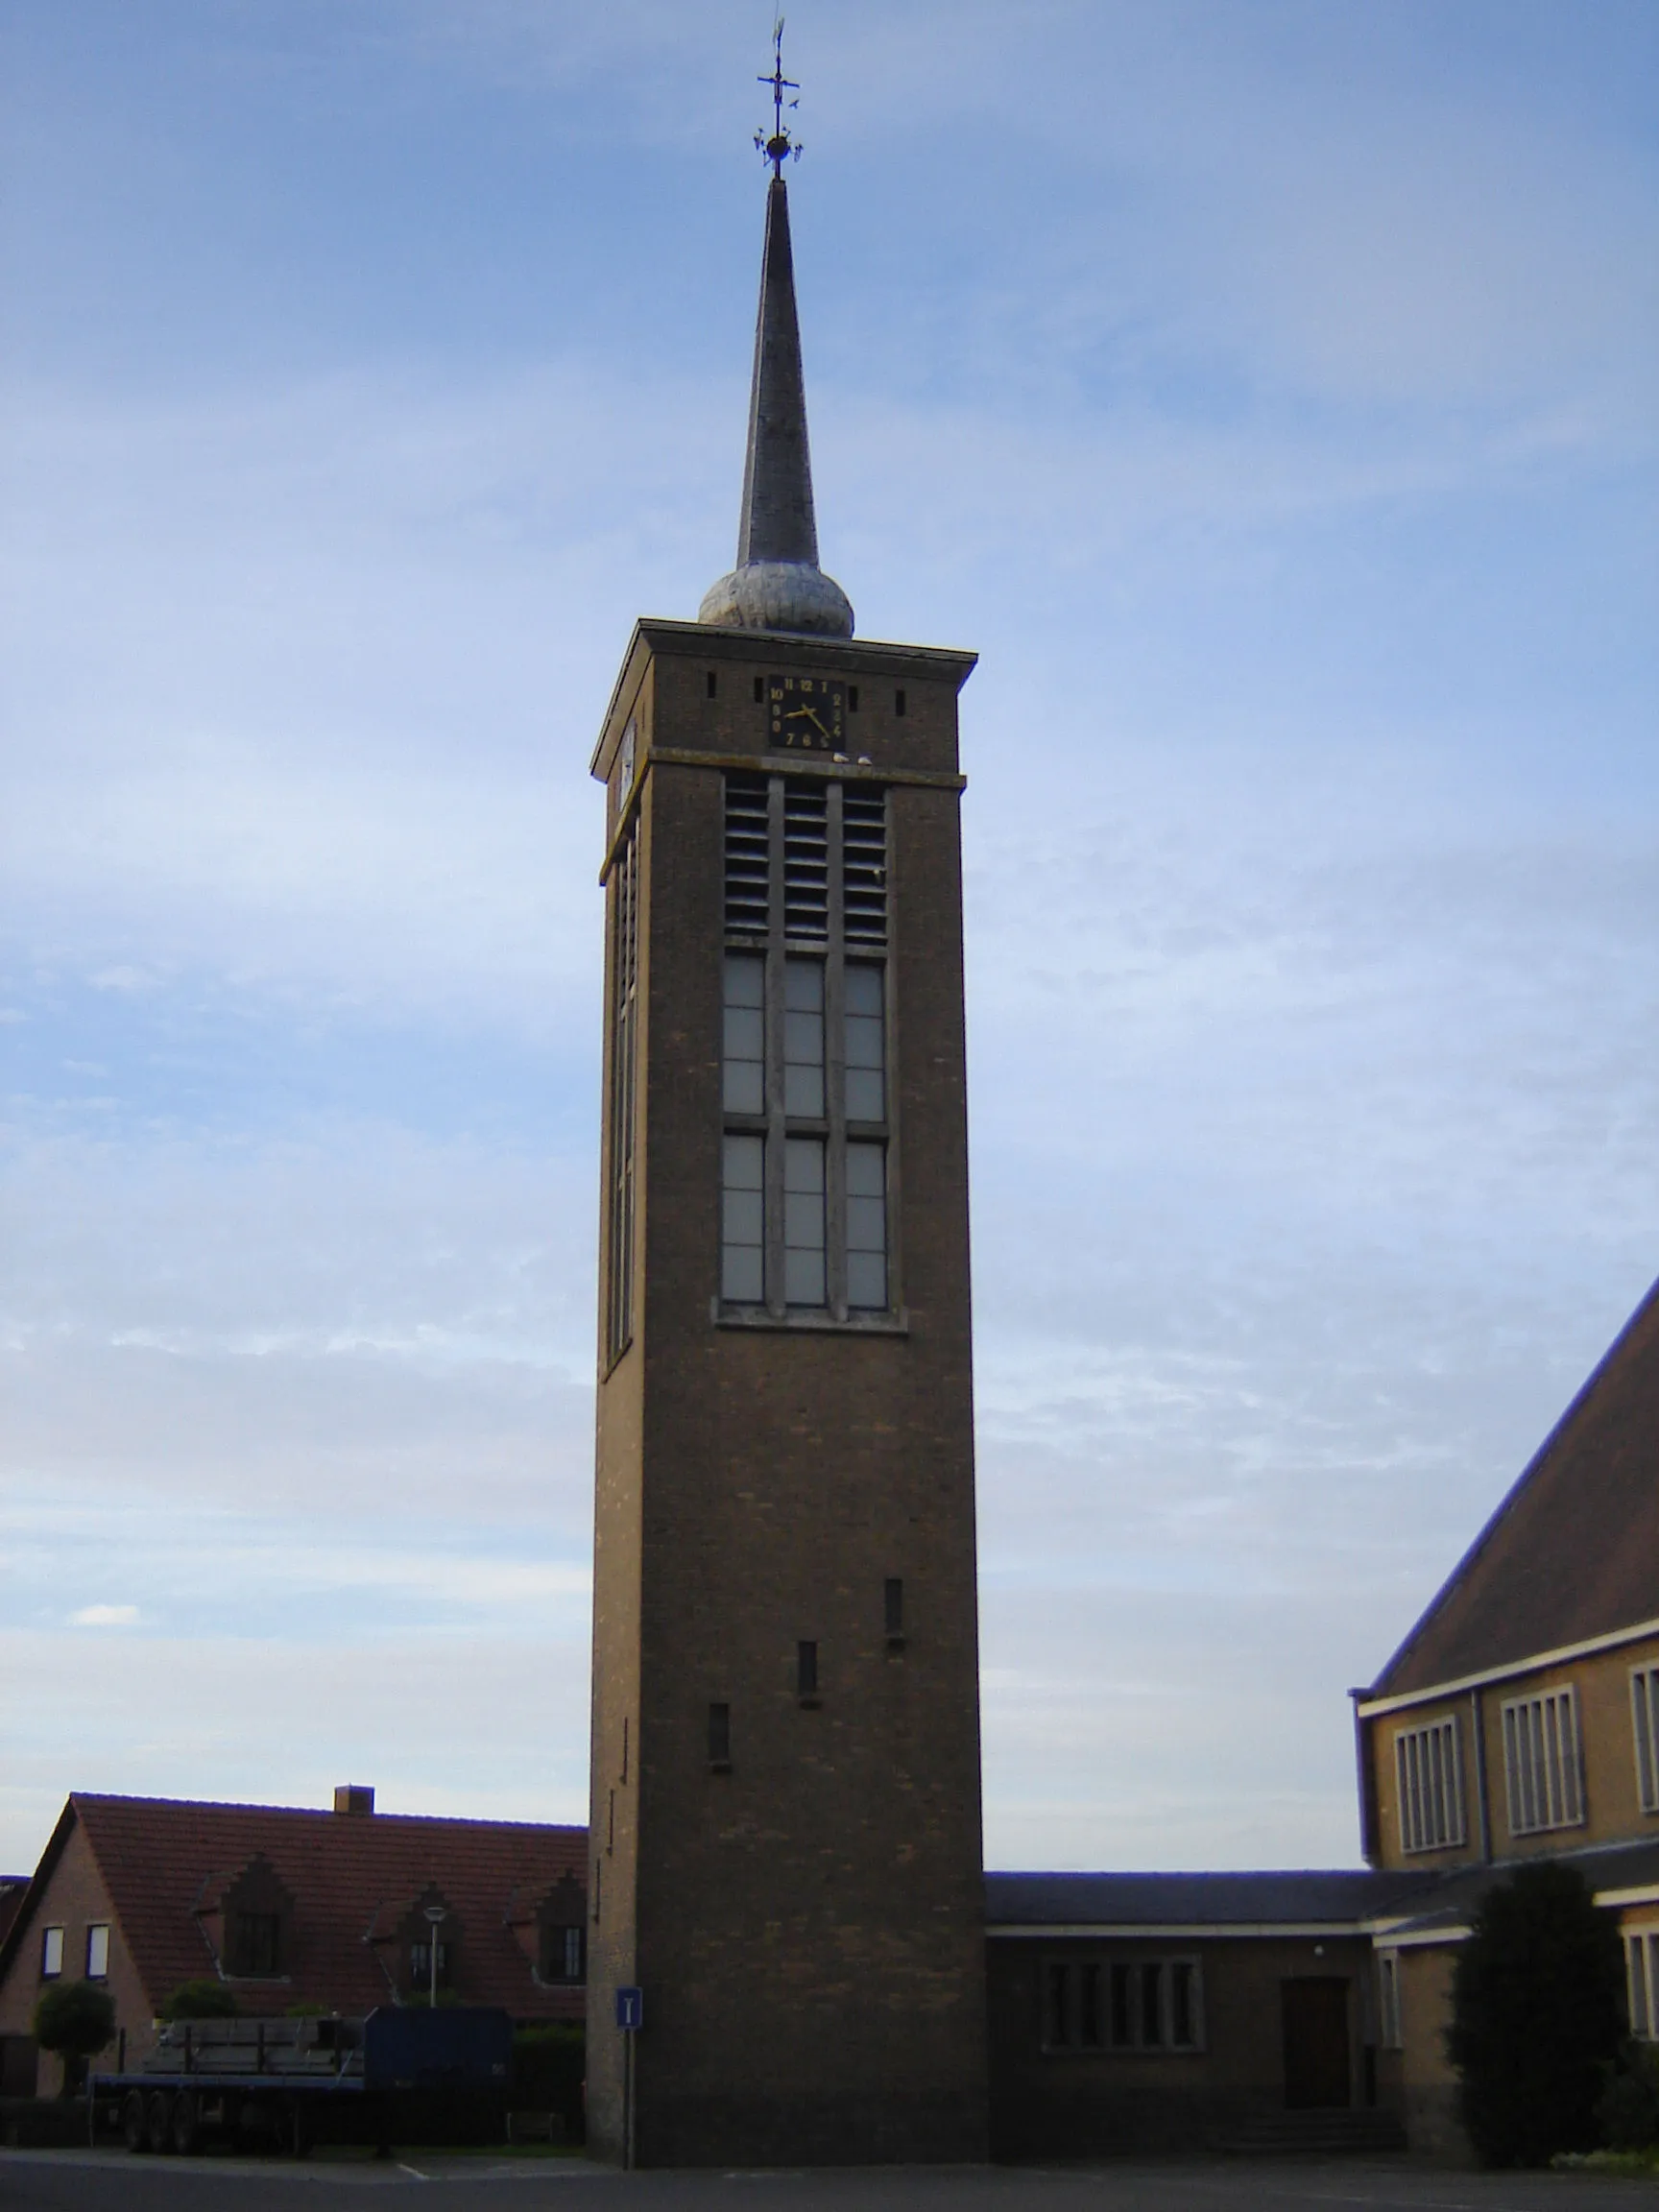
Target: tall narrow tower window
(624, 919)
(744, 1221)
(802, 1040)
(866, 1043)
(744, 1059)
(867, 1227)
(806, 1182)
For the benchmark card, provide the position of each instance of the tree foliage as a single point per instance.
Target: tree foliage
(1536, 2016)
(200, 1999)
(74, 2019)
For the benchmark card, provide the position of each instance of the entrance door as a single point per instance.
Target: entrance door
(1316, 2069)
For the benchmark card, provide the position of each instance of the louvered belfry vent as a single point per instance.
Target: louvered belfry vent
(864, 866)
(806, 860)
(747, 869)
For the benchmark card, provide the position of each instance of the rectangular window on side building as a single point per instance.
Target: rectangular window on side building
(1429, 1784)
(98, 1951)
(1641, 1983)
(1542, 1763)
(51, 1954)
(1644, 1717)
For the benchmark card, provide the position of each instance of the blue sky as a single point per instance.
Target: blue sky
(1264, 388)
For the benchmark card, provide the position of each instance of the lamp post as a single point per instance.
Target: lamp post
(436, 1915)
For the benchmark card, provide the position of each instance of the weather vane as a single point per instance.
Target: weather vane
(780, 146)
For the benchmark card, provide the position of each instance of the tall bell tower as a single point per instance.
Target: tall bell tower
(785, 1835)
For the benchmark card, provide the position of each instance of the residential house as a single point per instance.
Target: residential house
(290, 1908)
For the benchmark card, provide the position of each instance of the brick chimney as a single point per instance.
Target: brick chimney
(355, 1798)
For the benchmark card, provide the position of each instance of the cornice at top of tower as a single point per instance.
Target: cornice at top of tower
(662, 636)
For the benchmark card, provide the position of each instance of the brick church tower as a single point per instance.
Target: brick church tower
(785, 1836)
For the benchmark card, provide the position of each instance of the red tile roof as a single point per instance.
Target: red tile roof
(1572, 1551)
(163, 1860)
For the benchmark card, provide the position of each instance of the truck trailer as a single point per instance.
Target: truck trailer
(401, 2073)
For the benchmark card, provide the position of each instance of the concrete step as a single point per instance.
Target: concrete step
(1328, 2133)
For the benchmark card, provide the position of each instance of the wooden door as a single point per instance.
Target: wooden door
(1317, 2059)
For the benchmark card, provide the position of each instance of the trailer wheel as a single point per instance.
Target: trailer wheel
(134, 2133)
(159, 2120)
(185, 2131)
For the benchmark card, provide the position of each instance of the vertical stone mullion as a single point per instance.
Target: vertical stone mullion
(835, 1064)
(774, 996)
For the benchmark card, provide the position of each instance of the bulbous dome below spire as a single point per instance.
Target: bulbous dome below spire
(789, 596)
(778, 584)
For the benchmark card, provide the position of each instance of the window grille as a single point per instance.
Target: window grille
(748, 850)
(805, 859)
(1122, 2005)
(1541, 1762)
(1644, 1717)
(1428, 1774)
(864, 865)
(624, 1078)
(806, 1189)
(1641, 1983)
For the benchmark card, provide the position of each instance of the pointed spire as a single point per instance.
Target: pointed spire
(777, 521)
(778, 584)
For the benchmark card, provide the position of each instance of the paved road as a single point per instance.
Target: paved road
(112, 2181)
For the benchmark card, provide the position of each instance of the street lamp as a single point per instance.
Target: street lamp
(436, 1915)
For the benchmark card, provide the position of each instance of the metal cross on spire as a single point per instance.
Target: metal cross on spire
(780, 145)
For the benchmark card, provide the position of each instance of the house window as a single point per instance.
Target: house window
(562, 1954)
(1644, 1714)
(806, 1670)
(1429, 1775)
(805, 1192)
(1541, 1762)
(51, 1954)
(256, 1944)
(1641, 1983)
(1121, 2004)
(98, 1951)
(421, 1965)
(1388, 1999)
(619, 1196)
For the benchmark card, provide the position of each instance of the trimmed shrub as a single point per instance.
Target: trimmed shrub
(203, 2000)
(1537, 2013)
(548, 2066)
(1627, 2111)
(73, 2020)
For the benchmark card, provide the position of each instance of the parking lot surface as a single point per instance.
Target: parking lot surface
(112, 2181)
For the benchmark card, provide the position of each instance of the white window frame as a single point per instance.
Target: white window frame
(52, 1952)
(1542, 1761)
(1644, 1727)
(1641, 1983)
(1390, 2030)
(1429, 1783)
(98, 1951)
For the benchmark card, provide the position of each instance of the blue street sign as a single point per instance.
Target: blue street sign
(629, 2008)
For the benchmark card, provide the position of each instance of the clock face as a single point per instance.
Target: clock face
(806, 713)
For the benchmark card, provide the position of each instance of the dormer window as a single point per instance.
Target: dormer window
(249, 1919)
(561, 1931)
(255, 1945)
